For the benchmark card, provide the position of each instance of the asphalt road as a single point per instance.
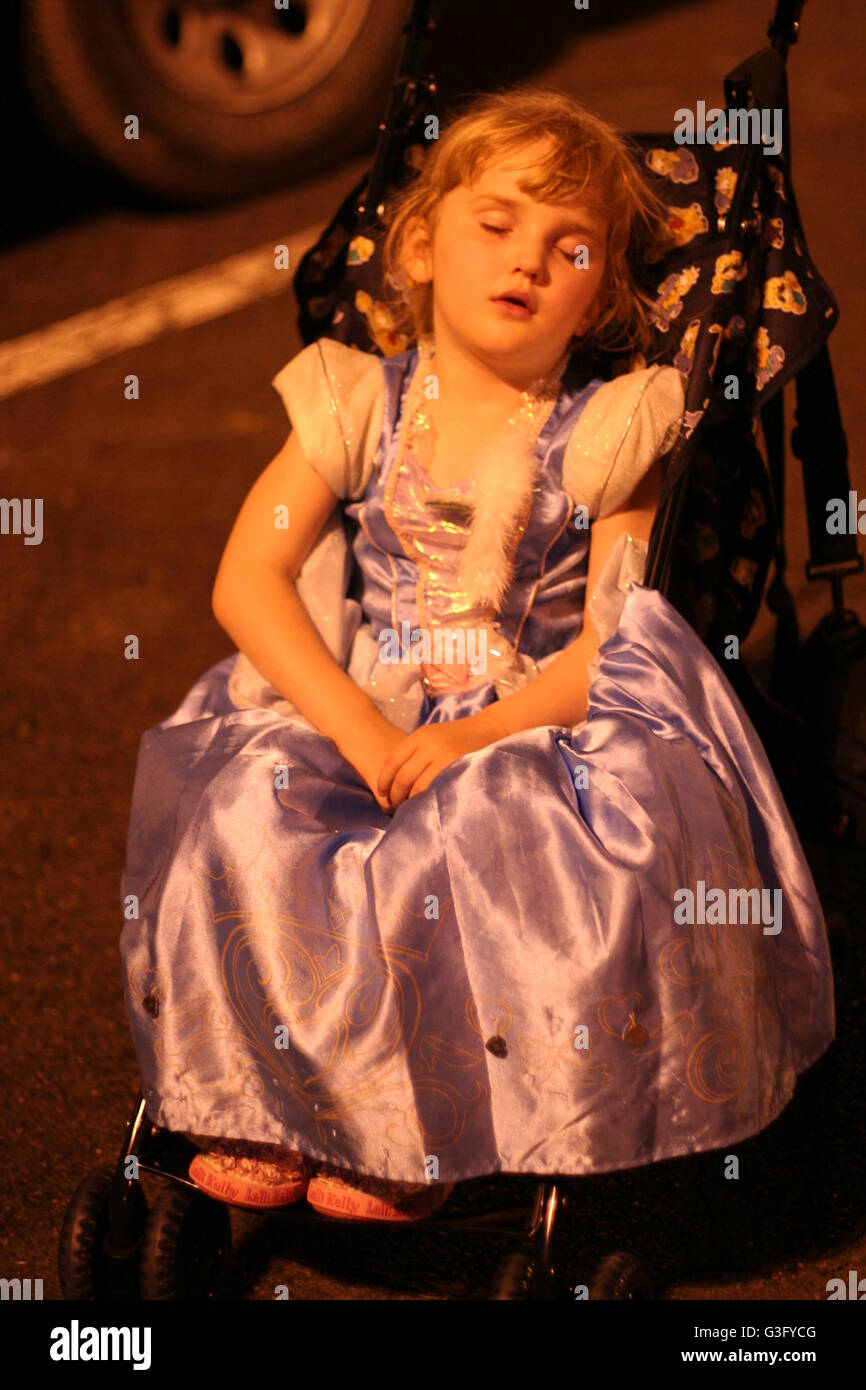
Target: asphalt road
(142, 495)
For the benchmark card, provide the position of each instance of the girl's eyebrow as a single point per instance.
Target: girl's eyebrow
(574, 224)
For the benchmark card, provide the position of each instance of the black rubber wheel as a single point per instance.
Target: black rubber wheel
(621, 1276)
(231, 98)
(514, 1278)
(518, 1278)
(85, 1270)
(186, 1247)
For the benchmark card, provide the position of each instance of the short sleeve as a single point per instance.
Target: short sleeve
(334, 396)
(627, 424)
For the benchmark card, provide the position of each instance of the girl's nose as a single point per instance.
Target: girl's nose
(527, 263)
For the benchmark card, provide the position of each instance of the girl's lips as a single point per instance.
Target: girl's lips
(517, 310)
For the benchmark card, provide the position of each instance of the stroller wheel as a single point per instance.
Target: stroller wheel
(514, 1277)
(621, 1276)
(519, 1277)
(86, 1267)
(186, 1247)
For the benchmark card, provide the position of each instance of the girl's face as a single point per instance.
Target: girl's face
(492, 240)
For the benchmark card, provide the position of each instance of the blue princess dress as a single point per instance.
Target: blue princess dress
(505, 975)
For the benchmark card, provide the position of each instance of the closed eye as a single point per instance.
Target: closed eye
(503, 231)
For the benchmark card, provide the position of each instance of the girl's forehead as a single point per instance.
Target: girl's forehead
(501, 176)
(503, 173)
(509, 167)
(526, 155)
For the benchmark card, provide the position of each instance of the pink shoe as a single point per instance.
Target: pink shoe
(355, 1197)
(251, 1175)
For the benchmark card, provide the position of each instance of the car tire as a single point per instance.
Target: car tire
(204, 137)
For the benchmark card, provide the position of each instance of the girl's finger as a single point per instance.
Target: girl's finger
(382, 802)
(405, 779)
(429, 775)
(394, 761)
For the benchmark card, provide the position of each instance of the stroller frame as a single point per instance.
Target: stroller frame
(532, 1270)
(110, 1245)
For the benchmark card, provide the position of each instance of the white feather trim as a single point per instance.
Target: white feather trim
(505, 473)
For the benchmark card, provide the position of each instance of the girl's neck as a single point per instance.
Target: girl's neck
(469, 389)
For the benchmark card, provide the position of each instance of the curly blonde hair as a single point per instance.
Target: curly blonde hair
(585, 152)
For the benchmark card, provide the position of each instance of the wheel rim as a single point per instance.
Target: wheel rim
(246, 56)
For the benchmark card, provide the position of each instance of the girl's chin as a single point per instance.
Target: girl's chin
(512, 343)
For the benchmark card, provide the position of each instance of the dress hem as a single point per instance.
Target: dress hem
(291, 1140)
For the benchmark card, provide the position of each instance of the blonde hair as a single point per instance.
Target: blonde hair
(585, 153)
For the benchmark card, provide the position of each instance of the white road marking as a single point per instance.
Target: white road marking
(136, 318)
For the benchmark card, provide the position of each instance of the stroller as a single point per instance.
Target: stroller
(732, 315)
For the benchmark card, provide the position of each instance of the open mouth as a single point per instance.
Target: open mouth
(515, 303)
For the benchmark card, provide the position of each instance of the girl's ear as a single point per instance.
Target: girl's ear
(417, 251)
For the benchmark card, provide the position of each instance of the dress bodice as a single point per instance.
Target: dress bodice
(411, 532)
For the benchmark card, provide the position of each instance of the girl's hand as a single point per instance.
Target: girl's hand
(411, 766)
(366, 745)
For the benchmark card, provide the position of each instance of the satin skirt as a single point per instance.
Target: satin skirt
(499, 977)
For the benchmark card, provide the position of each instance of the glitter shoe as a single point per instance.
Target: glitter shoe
(251, 1175)
(355, 1197)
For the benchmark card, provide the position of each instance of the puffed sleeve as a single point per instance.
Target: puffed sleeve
(625, 425)
(334, 396)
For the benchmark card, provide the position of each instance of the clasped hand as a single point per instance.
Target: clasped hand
(413, 763)
(396, 765)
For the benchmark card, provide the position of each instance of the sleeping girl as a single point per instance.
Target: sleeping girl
(404, 922)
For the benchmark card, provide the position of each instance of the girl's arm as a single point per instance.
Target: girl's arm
(255, 601)
(558, 695)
